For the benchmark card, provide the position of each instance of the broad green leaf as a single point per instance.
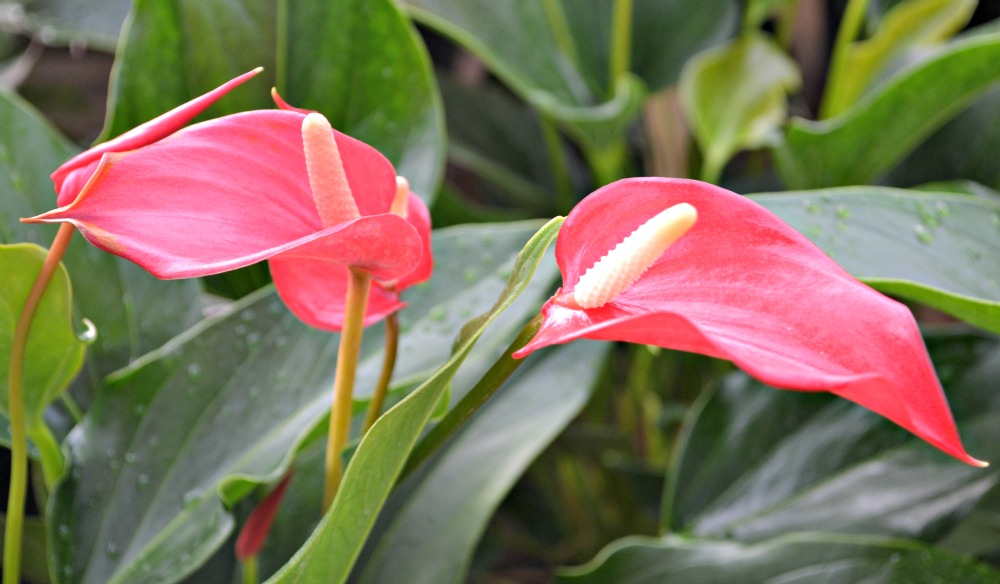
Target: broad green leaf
(54, 354)
(735, 97)
(133, 311)
(795, 559)
(359, 62)
(192, 427)
(939, 249)
(443, 509)
(80, 23)
(329, 554)
(868, 139)
(531, 47)
(758, 462)
(964, 148)
(915, 23)
(34, 555)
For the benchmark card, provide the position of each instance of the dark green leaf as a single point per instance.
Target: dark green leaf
(858, 145)
(759, 462)
(796, 559)
(441, 511)
(195, 425)
(329, 554)
(359, 62)
(939, 249)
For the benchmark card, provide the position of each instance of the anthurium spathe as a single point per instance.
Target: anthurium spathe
(741, 285)
(70, 178)
(232, 191)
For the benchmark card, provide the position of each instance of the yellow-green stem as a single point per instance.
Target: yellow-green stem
(388, 364)
(850, 25)
(248, 566)
(15, 406)
(621, 41)
(557, 162)
(343, 384)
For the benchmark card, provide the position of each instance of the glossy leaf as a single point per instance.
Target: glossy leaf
(387, 99)
(795, 559)
(132, 311)
(757, 462)
(331, 551)
(735, 97)
(192, 427)
(443, 509)
(910, 24)
(873, 135)
(939, 249)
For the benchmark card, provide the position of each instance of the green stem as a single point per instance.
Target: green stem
(49, 452)
(358, 284)
(557, 162)
(850, 26)
(621, 41)
(249, 569)
(15, 405)
(470, 402)
(388, 364)
(560, 29)
(607, 165)
(72, 407)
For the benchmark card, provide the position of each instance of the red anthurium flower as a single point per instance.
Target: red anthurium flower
(70, 178)
(739, 285)
(254, 534)
(236, 190)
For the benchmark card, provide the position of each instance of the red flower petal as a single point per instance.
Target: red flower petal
(233, 191)
(254, 534)
(74, 173)
(744, 286)
(420, 218)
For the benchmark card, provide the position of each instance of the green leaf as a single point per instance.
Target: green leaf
(873, 135)
(735, 97)
(133, 311)
(331, 551)
(359, 62)
(796, 559)
(54, 354)
(911, 24)
(442, 510)
(194, 426)
(939, 249)
(758, 462)
(532, 47)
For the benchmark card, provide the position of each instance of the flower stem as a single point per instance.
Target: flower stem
(557, 161)
(621, 41)
(248, 567)
(470, 402)
(15, 405)
(388, 364)
(343, 385)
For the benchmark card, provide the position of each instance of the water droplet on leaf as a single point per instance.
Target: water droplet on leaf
(924, 235)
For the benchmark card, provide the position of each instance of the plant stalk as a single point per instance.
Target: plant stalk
(850, 26)
(356, 302)
(15, 405)
(621, 41)
(388, 364)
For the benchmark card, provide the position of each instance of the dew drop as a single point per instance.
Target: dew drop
(942, 209)
(843, 212)
(810, 206)
(253, 339)
(142, 481)
(64, 531)
(469, 275)
(154, 441)
(193, 371)
(974, 253)
(139, 409)
(924, 235)
(111, 550)
(437, 313)
(191, 496)
(131, 457)
(280, 341)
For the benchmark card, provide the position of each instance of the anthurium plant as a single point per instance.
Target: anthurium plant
(435, 291)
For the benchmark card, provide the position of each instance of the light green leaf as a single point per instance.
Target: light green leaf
(940, 249)
(795, 559)
(758, 462)
(874, 134)
(359, 62)
(915, 23)
(443, 509)
(193, 427)
(329, 554)
(54, 354)
(735, 98)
